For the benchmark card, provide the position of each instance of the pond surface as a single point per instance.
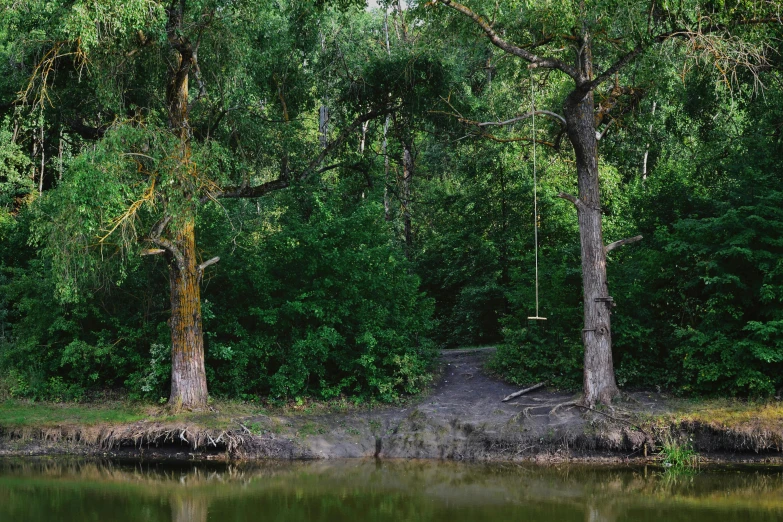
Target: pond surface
(78, 490)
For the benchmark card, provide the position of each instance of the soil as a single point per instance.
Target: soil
(461, 418)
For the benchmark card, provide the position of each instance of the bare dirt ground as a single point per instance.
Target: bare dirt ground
(461, 418)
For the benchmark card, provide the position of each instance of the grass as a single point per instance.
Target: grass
(16, 413)
(752, 424)
(732, 413)
(222, 414)
(676, 456)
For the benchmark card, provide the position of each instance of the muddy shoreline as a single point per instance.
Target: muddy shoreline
(461, 419)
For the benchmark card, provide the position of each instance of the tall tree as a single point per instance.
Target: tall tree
(174, 141)
(592, 43)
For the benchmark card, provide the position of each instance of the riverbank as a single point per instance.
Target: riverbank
(461, 418)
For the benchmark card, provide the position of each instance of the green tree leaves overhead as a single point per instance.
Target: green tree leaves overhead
(313, 293)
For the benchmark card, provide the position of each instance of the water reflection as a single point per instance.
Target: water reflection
(41, 489)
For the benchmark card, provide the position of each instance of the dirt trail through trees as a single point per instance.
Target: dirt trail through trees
(463, 417)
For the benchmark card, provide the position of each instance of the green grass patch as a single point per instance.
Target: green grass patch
(678, 456)
(222, 414)
(16, 413)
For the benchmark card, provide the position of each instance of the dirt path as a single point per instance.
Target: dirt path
(462, 417)
(466, 391)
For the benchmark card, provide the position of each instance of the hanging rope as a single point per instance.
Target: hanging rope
(535, 189)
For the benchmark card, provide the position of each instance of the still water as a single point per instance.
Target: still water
(77, 490)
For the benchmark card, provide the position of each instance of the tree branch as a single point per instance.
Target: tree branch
(617, 244)
(171, 248)
(207, 263)
(164, 244)
(550, 114)
(152, 251)
(573, 199)
(160, 226)
(662, 37)
(631, 56)
(200, 268)
(246, 191)
(514, 140)
(549, 63)
(85, 131)
(341, 138)
(599, 135)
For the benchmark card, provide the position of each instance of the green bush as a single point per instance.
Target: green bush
(324, 305)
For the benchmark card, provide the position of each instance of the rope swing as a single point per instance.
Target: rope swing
(535, 190)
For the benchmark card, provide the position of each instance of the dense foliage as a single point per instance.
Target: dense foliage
(346, 283)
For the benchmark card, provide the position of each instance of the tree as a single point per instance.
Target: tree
(576, 39)
(167, 141)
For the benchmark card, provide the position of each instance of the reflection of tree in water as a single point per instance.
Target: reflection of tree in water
(595, 513)
(381, 491)
(186, 507)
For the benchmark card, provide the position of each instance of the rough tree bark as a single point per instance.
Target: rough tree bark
(599, 381)
(579, 108)
(188, 377)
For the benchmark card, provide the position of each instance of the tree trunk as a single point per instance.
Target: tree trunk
(43, 157)
(386, 197)
(407, 178)
(599, 381)
(188, 378)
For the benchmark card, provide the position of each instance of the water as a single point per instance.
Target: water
(74, 490)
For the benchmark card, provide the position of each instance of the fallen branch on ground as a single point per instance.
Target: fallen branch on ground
(522, 392)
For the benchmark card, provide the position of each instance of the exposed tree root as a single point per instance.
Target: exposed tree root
(137, 436)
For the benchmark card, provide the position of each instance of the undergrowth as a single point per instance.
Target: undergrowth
(677, 456)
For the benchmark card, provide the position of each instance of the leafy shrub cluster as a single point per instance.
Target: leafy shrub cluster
(700, 298)
(320, 303)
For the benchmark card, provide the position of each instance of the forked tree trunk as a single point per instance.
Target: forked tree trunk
(599, 381)
(188, 378)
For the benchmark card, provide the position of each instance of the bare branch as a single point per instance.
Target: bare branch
(573, 199)
(515, 140)
(152, 251)
(207, 263)
(629, 57)
(202, 88)
(550, 114)
(701, 37)
(617, 244)
(85, 131)
(245, 191)
(599, 135)
(549, 63)
(522, 392)
(164, 244)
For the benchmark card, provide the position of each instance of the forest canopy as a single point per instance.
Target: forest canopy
(311, 198)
